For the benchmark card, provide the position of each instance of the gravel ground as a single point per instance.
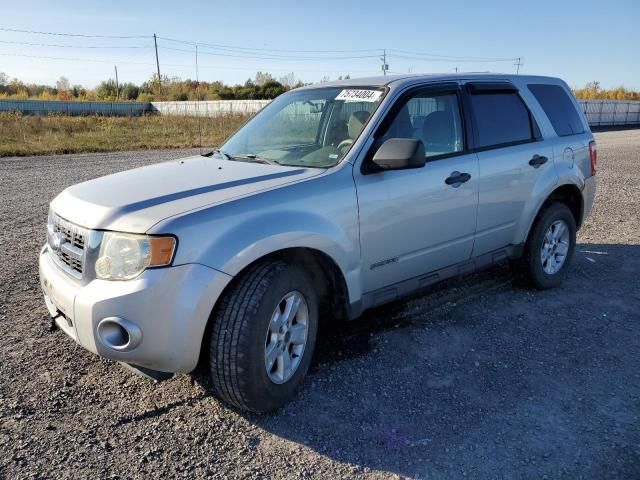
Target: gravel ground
(475, 379)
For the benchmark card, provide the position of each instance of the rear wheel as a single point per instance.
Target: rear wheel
(263, 337)
(549, 248)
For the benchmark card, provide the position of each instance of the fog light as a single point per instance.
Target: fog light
(119, 334)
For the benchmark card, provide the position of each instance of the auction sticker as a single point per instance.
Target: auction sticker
(359, 95)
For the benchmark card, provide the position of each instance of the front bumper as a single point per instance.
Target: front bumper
(170, 307)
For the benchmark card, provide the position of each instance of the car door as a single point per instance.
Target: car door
(571, 139)
(419, 220)
(513, 161)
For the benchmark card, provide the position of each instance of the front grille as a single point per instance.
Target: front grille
(72, 262)
(70, 233)
(67, 245)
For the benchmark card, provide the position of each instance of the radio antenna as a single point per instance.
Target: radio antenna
(198, 100)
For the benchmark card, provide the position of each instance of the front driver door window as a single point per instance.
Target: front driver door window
(411, 221)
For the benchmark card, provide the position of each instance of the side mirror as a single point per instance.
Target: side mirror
(399, 154)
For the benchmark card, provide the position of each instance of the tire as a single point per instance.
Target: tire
(243, 330)
(530, 269)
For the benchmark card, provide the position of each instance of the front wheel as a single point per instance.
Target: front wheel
(549, 248)
(263, 337)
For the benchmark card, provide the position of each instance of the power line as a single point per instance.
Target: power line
(240, 52)
(181, 65)
(287, 70)
(186, 42)
(82, 60)
(235, 51)
(448, 60)
(270, 56)
(248, 50)
(467, 57)
(33, 32)
(73, 46)
(232, 47)
(439, 58)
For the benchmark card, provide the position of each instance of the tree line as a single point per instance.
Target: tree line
(262, 86)
(593, 91)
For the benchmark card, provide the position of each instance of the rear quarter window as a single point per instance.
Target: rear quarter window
(559, 108)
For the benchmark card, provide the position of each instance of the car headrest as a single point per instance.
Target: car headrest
(401, 127)
(438, 127)
(356, 122)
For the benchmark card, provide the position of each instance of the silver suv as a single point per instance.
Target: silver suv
(334, 199)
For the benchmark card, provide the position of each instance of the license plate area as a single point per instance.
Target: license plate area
(59, 304)
(63, 321)
(60, 316)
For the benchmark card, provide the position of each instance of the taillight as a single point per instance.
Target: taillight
(593, 155)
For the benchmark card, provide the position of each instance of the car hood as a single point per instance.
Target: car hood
(135, 200)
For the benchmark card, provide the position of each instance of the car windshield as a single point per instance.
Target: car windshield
(310, 127)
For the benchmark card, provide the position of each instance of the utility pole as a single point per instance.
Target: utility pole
(155, 43)
(385, 66)
(197, 76)
(518, 64)
(117, 89)
(198, 100)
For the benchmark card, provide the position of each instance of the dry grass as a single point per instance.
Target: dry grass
(36, 135)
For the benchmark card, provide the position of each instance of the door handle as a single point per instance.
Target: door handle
(537, 160)
(456, 178)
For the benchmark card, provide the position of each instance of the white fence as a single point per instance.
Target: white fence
(209, 108)
(599, 112)
(611, 112)
(55, 107)
(206, 108)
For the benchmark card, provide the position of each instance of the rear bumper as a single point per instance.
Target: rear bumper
(588, 196)
(170, 307)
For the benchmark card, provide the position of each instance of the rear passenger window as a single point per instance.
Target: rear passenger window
(501, 118)
(559, 108)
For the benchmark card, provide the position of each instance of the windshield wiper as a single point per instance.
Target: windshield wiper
(252, 157)
(219, 152)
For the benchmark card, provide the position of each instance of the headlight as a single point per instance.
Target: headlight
(124, 256)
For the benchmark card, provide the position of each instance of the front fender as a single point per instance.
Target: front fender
(247, 242)
(320, 214)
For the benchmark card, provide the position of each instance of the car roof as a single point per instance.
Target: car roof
(395, 81)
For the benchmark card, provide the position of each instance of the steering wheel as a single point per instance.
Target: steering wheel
(345, 143)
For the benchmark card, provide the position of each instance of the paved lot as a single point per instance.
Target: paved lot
(475, 379)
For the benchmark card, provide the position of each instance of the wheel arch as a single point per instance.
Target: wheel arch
(570, 195)
(327, 277)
